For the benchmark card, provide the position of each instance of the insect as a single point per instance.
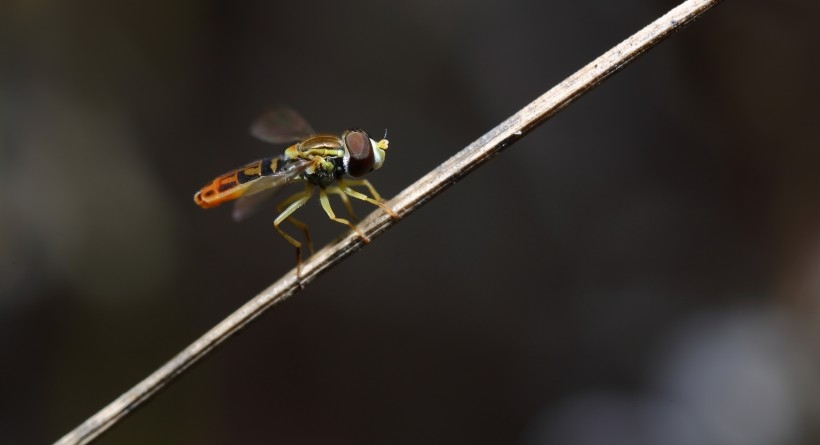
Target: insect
(320, 161)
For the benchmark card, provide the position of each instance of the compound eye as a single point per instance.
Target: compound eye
(361, 153)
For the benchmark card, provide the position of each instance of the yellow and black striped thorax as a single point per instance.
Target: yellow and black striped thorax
(328, 153)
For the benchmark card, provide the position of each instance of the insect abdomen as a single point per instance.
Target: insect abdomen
(233, 184)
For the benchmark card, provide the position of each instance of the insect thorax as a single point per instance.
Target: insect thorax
(324, 178)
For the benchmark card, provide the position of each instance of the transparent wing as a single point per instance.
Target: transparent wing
(266, 188)
(248, 204)
(280, 125)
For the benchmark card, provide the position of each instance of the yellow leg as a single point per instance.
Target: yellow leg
(293, 203)
(345, 185)
(337, 191)
(326, 205)
(362, 182)
(298, 224)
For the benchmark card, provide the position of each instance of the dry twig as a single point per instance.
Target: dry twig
(410, 199)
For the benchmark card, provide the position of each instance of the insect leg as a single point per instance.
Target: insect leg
(337, 191)
(326, 205)
(299, 224)
(345, 186)
(294, 202)
(348, 183)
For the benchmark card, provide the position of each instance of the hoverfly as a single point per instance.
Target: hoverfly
(320, 161)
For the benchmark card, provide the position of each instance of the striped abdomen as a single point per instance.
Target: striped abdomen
(234, 184)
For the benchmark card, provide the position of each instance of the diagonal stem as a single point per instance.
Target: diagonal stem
(405, 203)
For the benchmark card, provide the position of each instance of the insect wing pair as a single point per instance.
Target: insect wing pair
(280, 125)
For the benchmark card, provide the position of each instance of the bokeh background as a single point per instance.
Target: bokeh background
(644, 268)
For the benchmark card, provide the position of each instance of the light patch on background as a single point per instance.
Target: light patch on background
(81, 204)
(738, 377)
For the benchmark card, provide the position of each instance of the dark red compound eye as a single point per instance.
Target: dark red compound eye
(361, 153)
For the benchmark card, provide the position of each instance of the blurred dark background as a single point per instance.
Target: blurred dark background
(642, 269)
